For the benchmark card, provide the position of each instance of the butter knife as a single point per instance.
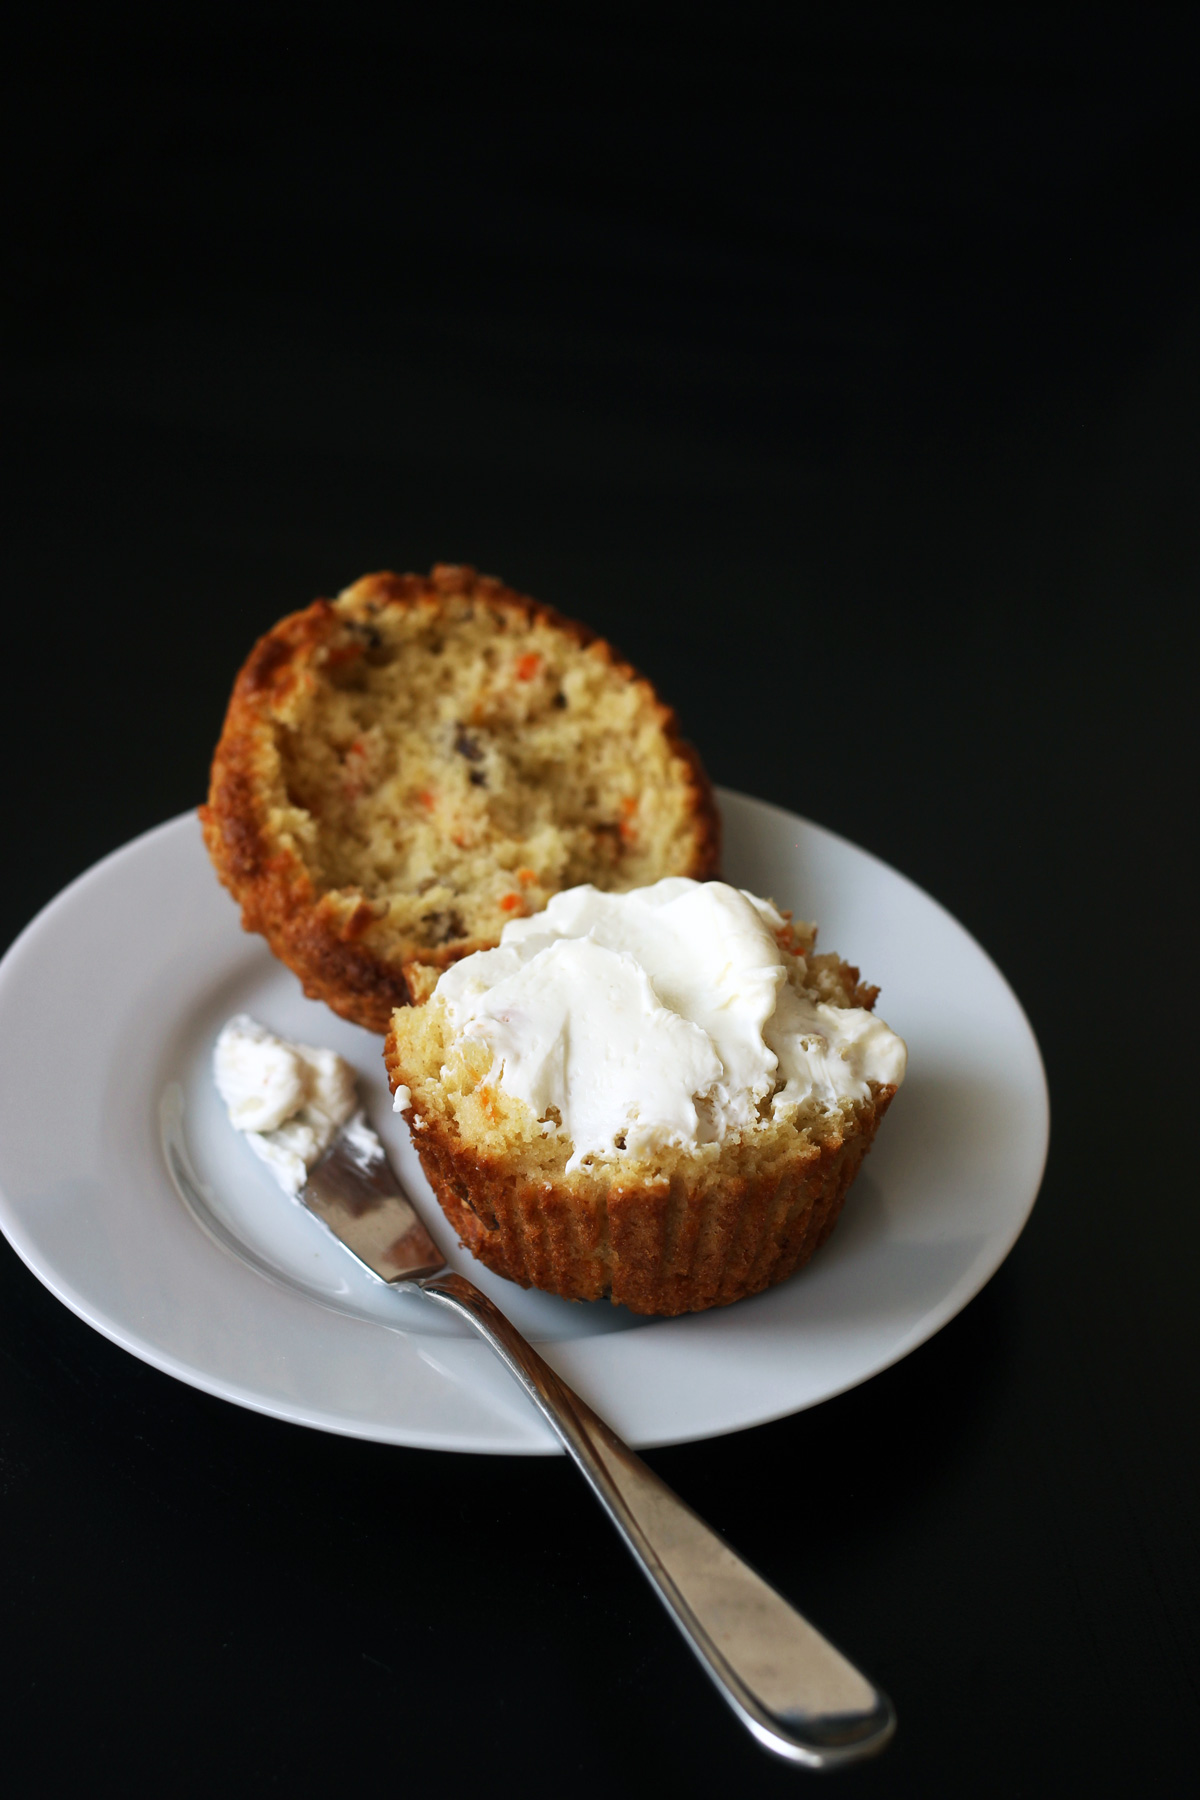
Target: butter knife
(796, 1694)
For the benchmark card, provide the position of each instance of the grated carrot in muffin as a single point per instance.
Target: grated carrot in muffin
(405, 768)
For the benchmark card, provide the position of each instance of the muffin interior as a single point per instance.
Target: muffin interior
(458, 763)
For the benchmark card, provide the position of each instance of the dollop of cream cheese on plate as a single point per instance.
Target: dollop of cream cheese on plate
(291, 1100)
(663, 1016)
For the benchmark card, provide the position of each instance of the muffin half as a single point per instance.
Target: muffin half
(661, 1098)
(408, 767)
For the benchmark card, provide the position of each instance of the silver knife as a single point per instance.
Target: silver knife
(796, 1694)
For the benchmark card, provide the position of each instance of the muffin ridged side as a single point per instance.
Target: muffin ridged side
(660, 1248)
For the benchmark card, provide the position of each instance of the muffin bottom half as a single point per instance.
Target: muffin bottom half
(674, 1244)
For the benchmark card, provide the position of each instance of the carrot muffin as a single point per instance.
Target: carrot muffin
(407, 768)
(660, 1096)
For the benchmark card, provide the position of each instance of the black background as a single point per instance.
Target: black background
(846, 372)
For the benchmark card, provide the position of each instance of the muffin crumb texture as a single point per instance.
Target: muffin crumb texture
(405, 769)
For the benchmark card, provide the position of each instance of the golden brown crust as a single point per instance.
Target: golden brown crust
(335, 938)
(676, 1245)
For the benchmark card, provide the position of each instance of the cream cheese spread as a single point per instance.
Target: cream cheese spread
(663, 1016)
(291, 1100)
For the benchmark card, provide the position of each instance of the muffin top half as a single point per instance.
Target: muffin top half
(406, 768)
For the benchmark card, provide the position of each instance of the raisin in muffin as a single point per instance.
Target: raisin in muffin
(660, 1097)
(406, 768)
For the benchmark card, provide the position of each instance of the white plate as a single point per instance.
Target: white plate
(125, 1190)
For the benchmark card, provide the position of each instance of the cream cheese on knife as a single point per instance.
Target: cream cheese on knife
(290, 1100)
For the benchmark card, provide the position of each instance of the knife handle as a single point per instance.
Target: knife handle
(790, 1688)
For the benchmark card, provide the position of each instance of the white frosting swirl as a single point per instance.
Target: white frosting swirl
(659, 1017)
